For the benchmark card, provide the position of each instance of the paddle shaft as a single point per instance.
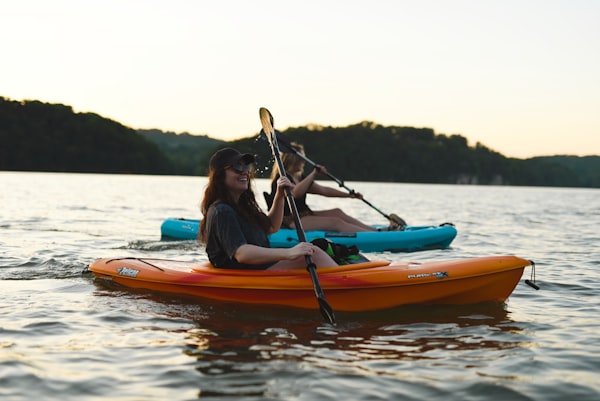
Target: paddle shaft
(288, 146)
(310, 264)
(267, 122)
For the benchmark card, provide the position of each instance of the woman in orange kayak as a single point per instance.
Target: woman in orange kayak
(235, 229)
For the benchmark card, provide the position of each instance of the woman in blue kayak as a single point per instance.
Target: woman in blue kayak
(235, 229)
(325, 220)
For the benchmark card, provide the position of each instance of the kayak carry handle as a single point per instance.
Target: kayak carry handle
(531, 282)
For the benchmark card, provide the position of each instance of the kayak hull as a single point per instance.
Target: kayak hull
(369, 286)
(413, 238)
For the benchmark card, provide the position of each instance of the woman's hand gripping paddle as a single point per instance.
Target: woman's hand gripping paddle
(266, 119)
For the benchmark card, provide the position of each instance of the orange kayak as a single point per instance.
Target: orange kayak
(369, 286)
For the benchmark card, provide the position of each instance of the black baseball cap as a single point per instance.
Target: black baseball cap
(228, 157)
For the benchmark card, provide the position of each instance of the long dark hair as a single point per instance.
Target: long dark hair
(291, 162)
(216, 190)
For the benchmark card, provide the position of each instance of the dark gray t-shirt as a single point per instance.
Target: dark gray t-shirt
(226, 231)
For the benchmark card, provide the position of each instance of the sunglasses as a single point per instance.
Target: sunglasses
(239, 168)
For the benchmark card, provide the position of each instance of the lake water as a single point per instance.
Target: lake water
(64, 337)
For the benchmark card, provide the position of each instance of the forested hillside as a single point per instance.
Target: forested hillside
(372, 152)
(187, 153)
(36, 136)
(586, 168)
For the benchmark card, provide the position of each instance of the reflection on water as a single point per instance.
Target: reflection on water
(417, 334)
(230, 342)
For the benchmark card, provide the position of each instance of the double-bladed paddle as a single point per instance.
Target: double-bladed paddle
(266, 119)
(288, 148)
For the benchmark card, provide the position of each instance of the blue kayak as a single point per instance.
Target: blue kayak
(412, 238)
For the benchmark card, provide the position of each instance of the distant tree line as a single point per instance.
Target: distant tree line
(371, 152)
(187, 154)
(36, 136)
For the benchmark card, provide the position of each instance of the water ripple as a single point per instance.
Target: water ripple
(63, 336)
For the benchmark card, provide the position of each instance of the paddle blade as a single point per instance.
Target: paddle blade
(394, 218)
(326, 311)
(266, 120)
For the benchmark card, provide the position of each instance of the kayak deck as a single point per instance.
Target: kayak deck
(373, 285)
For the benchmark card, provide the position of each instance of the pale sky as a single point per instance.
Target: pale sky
(520, 76)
